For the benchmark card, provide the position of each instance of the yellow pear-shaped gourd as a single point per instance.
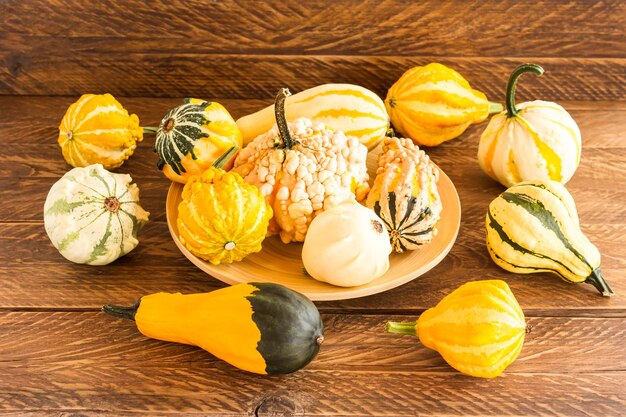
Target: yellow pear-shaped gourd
(536, 140)
(434, 103)
(96, 129)
(221, 218)
(478, 328)
(533, 227)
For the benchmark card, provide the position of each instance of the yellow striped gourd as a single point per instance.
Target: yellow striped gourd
(478, 328)
(354, 110)
(534, 227)
(535, 140)
(96, 129)
(434, 103)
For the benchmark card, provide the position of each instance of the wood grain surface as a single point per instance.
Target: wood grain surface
(60, 356)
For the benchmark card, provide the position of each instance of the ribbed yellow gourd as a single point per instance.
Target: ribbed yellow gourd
(96, 129)
(221, 218)
(434, 103)
(354, 110)
(478, 328)
(534, 227)
(537, 140)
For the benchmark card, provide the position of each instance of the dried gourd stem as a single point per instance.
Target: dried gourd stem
(281, 119)
(122, 312)
(401, 327)
(511, 111)
(597, 280)
(225, 157)
(150, 129)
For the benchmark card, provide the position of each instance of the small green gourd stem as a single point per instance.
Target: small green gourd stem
(281, 119)
(121, 312)
(150, 129)
(511, 111)
(598, 281)
(401, 327)
(495, 107)
(226, 156)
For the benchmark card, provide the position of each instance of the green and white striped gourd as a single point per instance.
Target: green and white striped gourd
(533, 227)
(92, 216)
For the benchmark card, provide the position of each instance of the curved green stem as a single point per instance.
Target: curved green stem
(226, 156)
(402, 327)
(510, 86)
(281, 119)
(495, 107)
(597, 280)
(150, 129)
(121, 312)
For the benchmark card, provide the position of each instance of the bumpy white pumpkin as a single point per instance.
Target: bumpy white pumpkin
(92, 216)
(536, 140)
(347, 245)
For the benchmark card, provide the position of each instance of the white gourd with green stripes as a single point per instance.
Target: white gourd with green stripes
(92, 216)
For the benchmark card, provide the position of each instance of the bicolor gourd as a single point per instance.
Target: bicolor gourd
(262, 328)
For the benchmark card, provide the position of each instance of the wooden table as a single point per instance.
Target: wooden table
(60, 356)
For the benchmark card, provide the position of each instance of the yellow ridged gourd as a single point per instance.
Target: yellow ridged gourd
(478, 328)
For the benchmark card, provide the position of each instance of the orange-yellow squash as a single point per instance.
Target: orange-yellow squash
(221, 218)
(478, 328)
(434, 103)
(96, 129)
(258, 327)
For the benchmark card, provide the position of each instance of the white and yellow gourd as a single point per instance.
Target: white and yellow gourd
(536, 140)
(533, 227)
(354, 110)
(92, 216)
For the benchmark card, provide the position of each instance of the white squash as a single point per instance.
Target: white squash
(347, 245)
(92, 216)
(536, 140)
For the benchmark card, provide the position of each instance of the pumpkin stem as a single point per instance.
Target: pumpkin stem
(226, 157)
(121, 312)
(281, 119)
(495, 107)
(598, 281)
(511, 111)
(401, 327)
(150, 129)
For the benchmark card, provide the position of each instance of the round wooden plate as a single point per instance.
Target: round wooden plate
(282, 264)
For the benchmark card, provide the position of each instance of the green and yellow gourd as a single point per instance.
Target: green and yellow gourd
(192, 136)
(534, 227)
(258, 327)
(478, 328)
(354, 110)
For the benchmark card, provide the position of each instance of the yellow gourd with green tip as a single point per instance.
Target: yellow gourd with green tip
(478, 328)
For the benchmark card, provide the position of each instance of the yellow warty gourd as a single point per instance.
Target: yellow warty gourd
(354, 110)
(478, 328)
(221, 218)
(536, 140)
(434, 103)
(96, 129)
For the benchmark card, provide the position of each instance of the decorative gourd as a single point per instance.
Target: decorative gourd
(478, 328)
(192, 136)
(537, 140)
(405, 194)
(221, 218)
(354, 110)
(96, 129)
(303, 168)
(92, 216)
(347, 246)
(434, 103)
(258, 327)
(534, 227)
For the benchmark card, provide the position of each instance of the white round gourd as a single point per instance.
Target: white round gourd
(347, 245)
(92, 216)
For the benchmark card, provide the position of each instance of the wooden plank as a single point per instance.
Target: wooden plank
(506, 28)
(129, 373)
(157, 74)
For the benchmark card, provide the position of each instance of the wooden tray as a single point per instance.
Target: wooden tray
(282, 264)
